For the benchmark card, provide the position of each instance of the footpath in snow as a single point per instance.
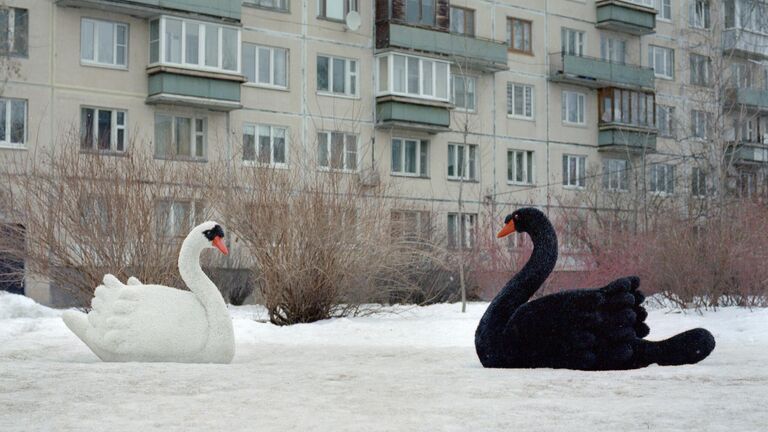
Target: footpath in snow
(411, 369)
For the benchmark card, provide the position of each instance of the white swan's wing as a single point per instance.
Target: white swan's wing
(134, 281)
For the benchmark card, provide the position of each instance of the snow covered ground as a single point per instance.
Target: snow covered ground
(410, 370)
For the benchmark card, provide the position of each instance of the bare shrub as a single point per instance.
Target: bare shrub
(87, 214)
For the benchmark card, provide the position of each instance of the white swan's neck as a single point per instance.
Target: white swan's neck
(219, 321)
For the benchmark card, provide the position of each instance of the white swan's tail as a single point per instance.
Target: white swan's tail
(77, 322)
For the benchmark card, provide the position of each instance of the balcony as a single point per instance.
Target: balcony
(745, 43)
(750, 98)
(406, 113)
(225, 10)
(749, 153)
(618, 137)
(596, 73)
(174, 86)
(471, 52)
(625, 16)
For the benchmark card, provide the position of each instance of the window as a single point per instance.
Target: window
(613, 50)
(741, 76)
(264, 144)
(663, 178)
(177, 136)
(700, 124)
(13, 122)
(413, 76)
(336, 75)
(462, 162)
(337, 9)
(747, 183)
(462, 21)
(665, 116)
(574, 170)
(461, 231)
(265, 66)
(280, 5)
(420, 12)
(698, 15)
(572, 42)
(700, 66)
(337, 151)
(410, 157)
(573, 107)
(519, 35)
(698, 182)
(574, 233)
(195, 44)
(14, 31)
(103, 43)
(520, 167)
(665, 10)
(746, 129)
(662, 60)
(175, 218)
(616, 175)
(464, 92)
(102, 129)
(411, 225)
(520, 100)
(627, 107)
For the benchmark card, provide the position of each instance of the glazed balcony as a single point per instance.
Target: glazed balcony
(597, 73)
(633, 17)
(471, 52)
(627, 121)
(225, 10)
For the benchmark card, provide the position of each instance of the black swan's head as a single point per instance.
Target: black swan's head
(525, 220)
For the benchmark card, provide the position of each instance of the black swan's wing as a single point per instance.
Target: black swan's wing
(580, 329)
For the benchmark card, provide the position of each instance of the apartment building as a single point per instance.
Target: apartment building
(512, 102)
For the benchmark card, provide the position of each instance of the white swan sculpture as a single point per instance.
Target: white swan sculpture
(154, 323)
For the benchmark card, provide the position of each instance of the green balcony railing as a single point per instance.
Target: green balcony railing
(412, 115)
(624, 138)
(745, 42)
(750, 153)
(749, 97)
(474, 52)
(597, 73)
(228, 10)
(625, 16)
(196, 91)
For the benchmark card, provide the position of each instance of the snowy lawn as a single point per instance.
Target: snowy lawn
(411, 370)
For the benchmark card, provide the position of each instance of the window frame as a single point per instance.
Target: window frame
(698, 181)
(194, 133)
(257, 4)
(669, 117)
(422, 230)
(114, 129)
(272, 162)
(668, 179)
(581, 171)
(348, 6)
(466, 12)
(349, 77)
(616, 178)
(467, 236)
(566, 34)
(273, 50)
(467, 79)
(346, 151)
(696, 117)
(581, 100)
(422, 151)
(115, 45)
(8, 122)
(700, 65)
(511, 35)
(660, 6)
(12, 50)
(194, 207)
(669, 61)
(202, 62)
(529, 167)
(703, 21)
(470, 155)
(511, 100)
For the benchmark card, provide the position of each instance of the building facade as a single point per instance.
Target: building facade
(512, 102)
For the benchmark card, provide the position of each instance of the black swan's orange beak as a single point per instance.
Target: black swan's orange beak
(220, 245)
(507, 230)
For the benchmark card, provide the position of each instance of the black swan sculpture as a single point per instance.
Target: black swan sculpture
(586, 329)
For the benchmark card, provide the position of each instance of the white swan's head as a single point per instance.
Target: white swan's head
(208, 235)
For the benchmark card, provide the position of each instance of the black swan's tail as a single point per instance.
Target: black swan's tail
(688, 347)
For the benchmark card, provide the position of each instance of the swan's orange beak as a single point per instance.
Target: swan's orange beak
(220, 245)
(507, 230)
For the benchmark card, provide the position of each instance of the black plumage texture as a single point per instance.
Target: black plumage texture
(585, 329)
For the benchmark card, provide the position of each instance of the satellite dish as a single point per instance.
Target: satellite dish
(352, 21)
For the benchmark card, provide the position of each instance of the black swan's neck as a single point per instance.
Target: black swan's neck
(522, 285)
